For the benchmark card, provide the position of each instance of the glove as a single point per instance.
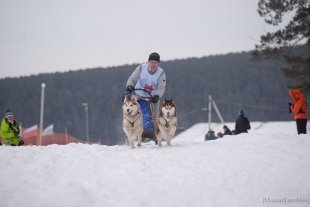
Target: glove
(130, 89)
(154, 99)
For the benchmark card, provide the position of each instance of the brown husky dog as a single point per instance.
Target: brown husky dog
(166, 124)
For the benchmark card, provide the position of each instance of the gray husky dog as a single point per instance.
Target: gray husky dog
(132, 120)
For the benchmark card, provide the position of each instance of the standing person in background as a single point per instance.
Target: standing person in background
(9, 130)
(299, 110)
(151, 77)
(242, 123)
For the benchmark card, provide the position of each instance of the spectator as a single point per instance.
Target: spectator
(242, 123)
(9, 130)
(299, 110)
(210, 135)
(227, 130)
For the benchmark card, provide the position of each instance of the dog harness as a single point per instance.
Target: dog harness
(132, 123)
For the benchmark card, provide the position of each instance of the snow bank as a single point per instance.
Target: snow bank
(266, 167)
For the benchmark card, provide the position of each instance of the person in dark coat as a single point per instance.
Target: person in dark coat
(242, 124)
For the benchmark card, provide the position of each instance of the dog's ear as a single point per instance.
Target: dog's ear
(175, 112)
(125, 99)
(134, 98)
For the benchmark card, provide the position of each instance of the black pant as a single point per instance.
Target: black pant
(301, 126)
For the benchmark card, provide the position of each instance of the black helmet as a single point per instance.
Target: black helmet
(154, 56)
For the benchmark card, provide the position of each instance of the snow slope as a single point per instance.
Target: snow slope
(270, 166)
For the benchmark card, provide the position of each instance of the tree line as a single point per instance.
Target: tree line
(235, 82)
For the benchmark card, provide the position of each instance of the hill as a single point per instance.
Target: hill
(269, 166)
(234, 81)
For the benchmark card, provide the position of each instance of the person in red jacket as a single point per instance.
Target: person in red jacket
(299, 110)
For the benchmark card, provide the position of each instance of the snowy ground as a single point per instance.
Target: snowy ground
(270, 166)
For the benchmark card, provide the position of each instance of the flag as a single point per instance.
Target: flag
(30, 132)
(48, 130)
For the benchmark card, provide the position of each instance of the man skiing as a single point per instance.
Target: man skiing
(9, 130)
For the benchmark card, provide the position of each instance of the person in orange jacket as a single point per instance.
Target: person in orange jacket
(299, 110)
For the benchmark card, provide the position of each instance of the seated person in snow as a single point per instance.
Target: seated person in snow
(227, 130)
(210, 135)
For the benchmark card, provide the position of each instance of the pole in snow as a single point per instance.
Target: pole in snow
(86, 120)
(41, 113)
(218, 112)
(209, 114)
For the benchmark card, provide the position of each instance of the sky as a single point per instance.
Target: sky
(269, 166)
(44, 36)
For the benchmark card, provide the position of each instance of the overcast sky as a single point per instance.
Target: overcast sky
(43, 36)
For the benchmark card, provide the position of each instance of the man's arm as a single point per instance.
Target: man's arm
(133, 78)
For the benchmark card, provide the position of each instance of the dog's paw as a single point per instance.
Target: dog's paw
(132, 145)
